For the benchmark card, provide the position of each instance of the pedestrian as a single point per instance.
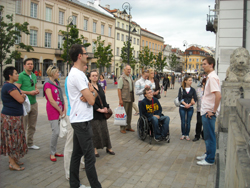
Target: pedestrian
(55, 108)
(187, 97)
(199, 93)
(165, 84)
(155, 85)
(99, 125)
(126, 96)
(210, 108)
(36, 73)
(82, 98)
(172, 81)
(13, 141)
(39, 75)
(102, 83)
(27, 82)
(115, 82)
(141, 84)
(68, 148)
(136, 109)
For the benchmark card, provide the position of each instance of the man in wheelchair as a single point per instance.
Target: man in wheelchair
(151, 108)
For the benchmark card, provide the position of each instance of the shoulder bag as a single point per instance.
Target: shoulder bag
(176, 100)
(109, 114)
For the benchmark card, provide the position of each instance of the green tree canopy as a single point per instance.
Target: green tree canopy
(159, 62)
(173, 61)
(124, 55)
(146, 57)
(71, 37)
(9, 34)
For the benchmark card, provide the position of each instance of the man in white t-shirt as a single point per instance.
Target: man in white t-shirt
(81, 96)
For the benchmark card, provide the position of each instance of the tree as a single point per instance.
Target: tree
(159, 62)
(102, 53)
(173, 61)
(71, 37)
(9, 33)
(124, 56)
(146, 57)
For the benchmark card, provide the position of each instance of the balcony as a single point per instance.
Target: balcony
(58, 52)
(212, 22)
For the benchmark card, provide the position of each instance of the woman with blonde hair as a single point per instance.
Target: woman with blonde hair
(13, 142)
(155, 86)
(55, 107)
(187, 97)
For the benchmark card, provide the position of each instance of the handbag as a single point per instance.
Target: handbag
(176, 100)
(158, 96)
(63, 127)
(120, 116)
(106, 115)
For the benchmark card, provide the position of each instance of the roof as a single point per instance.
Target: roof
(151, 32)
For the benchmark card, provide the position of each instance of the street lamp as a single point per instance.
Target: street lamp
(70, 22)
(126, 6)
(185, 44)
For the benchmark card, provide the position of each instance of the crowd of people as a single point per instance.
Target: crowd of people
(88, 132)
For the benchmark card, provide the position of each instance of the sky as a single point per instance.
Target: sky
(175, 20)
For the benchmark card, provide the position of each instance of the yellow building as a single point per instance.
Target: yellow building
(47, 18)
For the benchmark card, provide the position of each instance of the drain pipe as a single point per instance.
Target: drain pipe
(244, 23)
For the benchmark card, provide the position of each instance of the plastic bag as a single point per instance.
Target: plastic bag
(63, 127)
(120, 117)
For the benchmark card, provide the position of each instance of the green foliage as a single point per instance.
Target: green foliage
(124, 55)
(9, 33)
(102, 53)
(146, 57)
(71, 37)
(159, 62)
(173, 61)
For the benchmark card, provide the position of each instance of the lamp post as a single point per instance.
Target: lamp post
(126, 6)
(185, 45)
(69, 21)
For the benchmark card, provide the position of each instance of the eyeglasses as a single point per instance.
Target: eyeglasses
(32, 82)
(84, 53)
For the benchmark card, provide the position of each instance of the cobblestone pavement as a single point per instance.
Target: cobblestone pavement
(136, 163)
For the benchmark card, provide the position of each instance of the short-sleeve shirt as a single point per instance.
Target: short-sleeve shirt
(10, 106)
(26, 85)
(67, 95)
(80, 111)
(120, 83)
(208, 100)
(103, 84)
(52, 113)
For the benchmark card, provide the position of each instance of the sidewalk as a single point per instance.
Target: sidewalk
(136, 163)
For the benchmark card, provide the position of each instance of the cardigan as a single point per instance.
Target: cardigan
(187, 97)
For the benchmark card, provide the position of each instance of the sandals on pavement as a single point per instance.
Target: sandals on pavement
(11, 167)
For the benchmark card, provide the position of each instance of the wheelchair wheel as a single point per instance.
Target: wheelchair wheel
(142, 127)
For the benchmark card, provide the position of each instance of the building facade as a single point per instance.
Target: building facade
(47, 18)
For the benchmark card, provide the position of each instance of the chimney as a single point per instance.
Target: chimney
(107, 6)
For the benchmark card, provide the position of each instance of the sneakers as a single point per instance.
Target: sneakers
(33, 147)
(167, 138)
(204, 163)
(158, 139)
(200, 158)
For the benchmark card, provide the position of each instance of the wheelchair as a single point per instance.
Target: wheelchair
(145, 128)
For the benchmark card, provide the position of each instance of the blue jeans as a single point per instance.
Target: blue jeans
(186, 116)
(209, 137)
(164, 129)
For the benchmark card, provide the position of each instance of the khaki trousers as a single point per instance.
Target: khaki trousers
(29, 123)
(128, 109)
(69, 148)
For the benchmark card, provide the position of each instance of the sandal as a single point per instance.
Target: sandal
(187, 138)
(11, 167)
(18, 163)
(182, 137)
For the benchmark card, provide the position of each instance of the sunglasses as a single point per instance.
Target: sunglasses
(53, 67)
(32, 82)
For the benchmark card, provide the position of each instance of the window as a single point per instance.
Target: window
(33, 10)
(85, 24)
(161, 48)
(134, 40)
(18, 6)
(118, 36)
(48, 14)
(117, 51)
(60, 41)
(122, 25)
(197, 66)
(93, 47)
(190, 53)
(126, 37)
(155, 46)
(190, 59)
(149, 45)
(137, 54)
(84, 42)
(118, 24)
(47, 40)
(134, 52)
(146, 43)
(158, 47)
(94, 27)
(122, 39)
(126, 27)
(74, 20)
(102, 29)
(109, 31)
(61, 17)
(189, 66)
(33, 37)
(143, 43)
(138, 42)
(197, 60)
(18, 40)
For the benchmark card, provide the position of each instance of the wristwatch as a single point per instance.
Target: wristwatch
(213, 113)
(93, 93)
